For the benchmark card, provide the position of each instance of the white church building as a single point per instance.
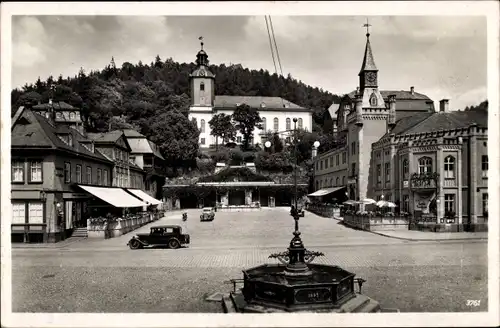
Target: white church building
(277, 113)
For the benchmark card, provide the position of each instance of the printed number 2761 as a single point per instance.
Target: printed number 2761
(473, 302)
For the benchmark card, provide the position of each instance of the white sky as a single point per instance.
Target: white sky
(441, 56)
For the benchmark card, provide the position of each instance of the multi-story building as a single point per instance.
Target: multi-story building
(114, 145)
(393, 140)
(48, 160)
(277, 113)
(146, 155)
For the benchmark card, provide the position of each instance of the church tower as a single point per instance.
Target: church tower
(368, 78)
(202, 82)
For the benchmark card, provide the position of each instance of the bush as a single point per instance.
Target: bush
(205, 166)
(221, 156)
(249, 156)
(236, 156)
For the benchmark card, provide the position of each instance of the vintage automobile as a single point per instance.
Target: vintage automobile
(164, 235)
(207, 214)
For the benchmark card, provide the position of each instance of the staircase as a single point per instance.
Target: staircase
(80, 232)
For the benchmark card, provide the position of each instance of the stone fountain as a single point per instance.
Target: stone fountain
(296, 285)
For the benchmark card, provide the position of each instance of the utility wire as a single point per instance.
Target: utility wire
(275, 45)
(271, 45)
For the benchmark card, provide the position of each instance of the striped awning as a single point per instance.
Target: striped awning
(323, 192)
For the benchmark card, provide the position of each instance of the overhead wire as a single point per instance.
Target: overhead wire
(273, 37)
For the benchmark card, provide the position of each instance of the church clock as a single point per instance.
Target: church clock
(371, 78)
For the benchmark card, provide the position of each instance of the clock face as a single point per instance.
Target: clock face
(371, 77)
(202, 73)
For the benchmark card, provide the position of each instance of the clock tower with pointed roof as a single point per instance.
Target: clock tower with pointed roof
(368, 78)
(202, 82)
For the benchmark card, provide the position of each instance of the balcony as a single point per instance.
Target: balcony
(424, 180)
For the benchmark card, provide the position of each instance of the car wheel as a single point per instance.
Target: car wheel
(173, 243)
(134, 244)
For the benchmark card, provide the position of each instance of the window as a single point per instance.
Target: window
(35, 171)
(35, 211)
(449, 203)
(67, 172)
(331, 182)
(321, 164)
(288, 124)
(276, 124)
(18, 213)
(387, 168)
(72, 116)
(317, 185)
(343, 180)
(264, 127)
(337, 180)
(425, 165)
(317, 165)
(379, 173)
(202, 126)
(484, 166)
(70, 140)
(202, 141)
(17, 171)
(373, 100)
(78, 173)
(406, 203)
(287, 140)
(344, 157)
(331, 161)
(89, 175)
(202, 86)
(238, 139)
(485, 204)
(105, 178)
(99, 176)
(353, 147)
(337, 159)
(406, 171)
(353, 169)
(300, 123)
(449, 167)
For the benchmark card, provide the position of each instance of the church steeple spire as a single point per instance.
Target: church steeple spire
(368, 61)
(201, 57)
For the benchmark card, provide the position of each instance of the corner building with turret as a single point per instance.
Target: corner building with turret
(395, 146)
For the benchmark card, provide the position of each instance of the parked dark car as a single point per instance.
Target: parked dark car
(207, 214)
(165, 235)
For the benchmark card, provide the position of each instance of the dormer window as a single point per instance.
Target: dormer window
(373, 100)
(72, 116)
(59, 115)
(70, 140)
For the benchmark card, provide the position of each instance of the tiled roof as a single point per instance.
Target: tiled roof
(140, 146)
(202, 71)
(155, 149)
(400, 95)
(112, 136)
(270, 103)
(450, 120)
(406, 123)
(57, 105)
(132, 133)
(368, 61)
(40, 133)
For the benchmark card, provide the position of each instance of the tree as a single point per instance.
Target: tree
(246, 119)
(176, 136)
(221, 125)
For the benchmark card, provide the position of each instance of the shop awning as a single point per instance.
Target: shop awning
(144, 197)
(114, 196)
(323, 192)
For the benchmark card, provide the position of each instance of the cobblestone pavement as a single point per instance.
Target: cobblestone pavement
(106, 276)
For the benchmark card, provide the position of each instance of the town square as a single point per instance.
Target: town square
(251, 165)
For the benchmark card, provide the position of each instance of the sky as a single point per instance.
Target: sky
(441, 56)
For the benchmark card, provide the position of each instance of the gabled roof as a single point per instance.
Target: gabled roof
(105, 137)
(129, 133)
(39, 133)
(143, 146)
(435, 121)
(57, 105)
(155, 149)
(400, 95)
(450, 120)
(261, 103)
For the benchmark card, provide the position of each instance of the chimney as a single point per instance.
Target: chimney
(443, 105)
(359, 110)
(412, 90)
(391, 120)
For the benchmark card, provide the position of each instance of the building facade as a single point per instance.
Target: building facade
(47, 161)
(277, 113)
(391, 141)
